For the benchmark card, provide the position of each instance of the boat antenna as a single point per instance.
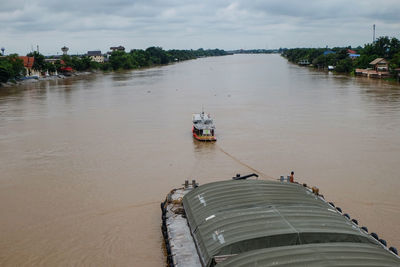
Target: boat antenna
(202, 109)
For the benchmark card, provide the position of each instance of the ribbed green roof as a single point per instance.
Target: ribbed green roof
(316, 255)
(235, 216)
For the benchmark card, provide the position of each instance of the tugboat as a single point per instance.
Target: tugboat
(203, 127)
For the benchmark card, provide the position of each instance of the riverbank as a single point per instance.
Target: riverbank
(380, 59)
(29, 80)
(386, 80)
(393, 77)
(48, 78)
(13, 66)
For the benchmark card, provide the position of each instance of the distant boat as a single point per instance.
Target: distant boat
(331, 67)
(304, 62)
(203, 128)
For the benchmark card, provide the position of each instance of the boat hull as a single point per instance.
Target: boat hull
(205, 138)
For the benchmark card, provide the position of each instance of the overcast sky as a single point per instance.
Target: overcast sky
(84, 25)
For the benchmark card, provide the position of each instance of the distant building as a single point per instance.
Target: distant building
(380, 64)
(51, 60)
(67, 71)
(380, 69)
(327, 52)
(117, 48)
(64, 49)
(352, 54)
(303, 62)
(28, 65)
(96, 56)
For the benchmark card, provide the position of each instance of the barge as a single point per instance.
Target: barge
(249, 222)
(203, 128)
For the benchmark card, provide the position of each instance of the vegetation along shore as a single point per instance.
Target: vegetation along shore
(378, 59)
(15, 68)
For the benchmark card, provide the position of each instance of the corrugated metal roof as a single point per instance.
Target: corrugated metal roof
(232, 217)
(378, 60)
(316, 255)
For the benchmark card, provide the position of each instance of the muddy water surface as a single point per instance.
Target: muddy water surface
(86, 161)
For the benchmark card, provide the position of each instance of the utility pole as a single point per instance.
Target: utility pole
(373, 38)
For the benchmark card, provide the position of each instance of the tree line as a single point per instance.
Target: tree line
(12, 67)
(138, 58)
(383, 47)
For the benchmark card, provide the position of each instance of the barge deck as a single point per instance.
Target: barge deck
(264, 223)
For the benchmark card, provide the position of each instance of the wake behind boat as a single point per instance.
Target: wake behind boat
(203, 127)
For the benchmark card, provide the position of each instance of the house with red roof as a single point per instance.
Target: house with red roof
(352, 54)
(63, 69)
(28, 64)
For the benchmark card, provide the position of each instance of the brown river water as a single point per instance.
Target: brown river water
(86, 161)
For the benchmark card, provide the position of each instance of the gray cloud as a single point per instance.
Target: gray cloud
(87, 25)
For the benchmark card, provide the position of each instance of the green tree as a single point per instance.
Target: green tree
(94, 65)
(394, 47)
(120, 60)
(106, 66)
(50, 67)
(5, 70)
(67, 60)
(342, 54)
(39, 64)
(11, 67)
(395, 62)
(382, 46)
(344, 65)
(320, 61)
(157, 55)
(363, 61)
(140, 58)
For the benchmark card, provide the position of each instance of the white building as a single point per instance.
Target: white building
(96, 56)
